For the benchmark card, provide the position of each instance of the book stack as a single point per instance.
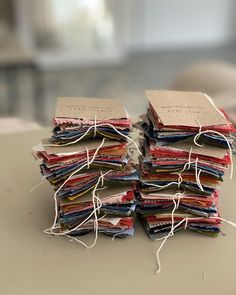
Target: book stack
(86, 161)
(187, 147)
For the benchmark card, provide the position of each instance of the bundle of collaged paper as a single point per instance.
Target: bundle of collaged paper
(187, 147)
(91, 118)
(91, 172)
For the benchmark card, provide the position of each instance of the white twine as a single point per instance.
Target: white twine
(197, 175)
(172, 215)
(95, 126)
(188, 164)
(213, 104)
(102, 177)
(179, 195)
(186, 223)
(205, 276)
(162, 244)
(225, 220)
(180, 179)
(38, 184)
(189, 158)
(87, 153)
(35, 155)
(117, 234)
(200, 132)
(97, 209)
(160, 186)
(176, 206)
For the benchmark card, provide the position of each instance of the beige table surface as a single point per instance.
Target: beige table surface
(32, 262)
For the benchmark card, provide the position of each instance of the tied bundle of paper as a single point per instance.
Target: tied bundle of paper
(116, 202)
(94, 178)
(164, 210)
(187, 147)
(175, 116)
(91, 118)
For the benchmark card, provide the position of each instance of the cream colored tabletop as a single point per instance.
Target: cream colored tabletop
(34, 263)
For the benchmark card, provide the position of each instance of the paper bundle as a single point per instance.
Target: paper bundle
(93, 176)
(175, 115)
(186, 150)
(112, 161)
(118, 202)
(90, 119)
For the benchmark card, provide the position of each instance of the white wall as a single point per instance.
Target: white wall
(145, 24)
(181, 23)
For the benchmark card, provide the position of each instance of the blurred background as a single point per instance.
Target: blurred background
(109, 48)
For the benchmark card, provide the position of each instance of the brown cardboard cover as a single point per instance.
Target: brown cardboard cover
(88, 108)
(206, 150)
(176, 108)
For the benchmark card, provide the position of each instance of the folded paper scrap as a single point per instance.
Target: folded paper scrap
(93, 176)
(187, 147)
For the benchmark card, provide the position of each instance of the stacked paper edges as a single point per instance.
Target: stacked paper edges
(185, 155)
(86, 161)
